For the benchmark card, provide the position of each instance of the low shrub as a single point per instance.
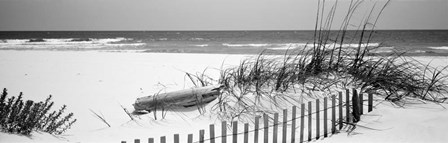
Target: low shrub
(23, 117)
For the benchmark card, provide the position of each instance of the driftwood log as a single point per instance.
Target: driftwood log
(181, 98)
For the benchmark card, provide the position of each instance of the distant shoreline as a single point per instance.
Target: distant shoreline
(253, 52)
(208, 30)
(384, 42)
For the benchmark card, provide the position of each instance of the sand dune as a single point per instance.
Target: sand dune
(102, 81)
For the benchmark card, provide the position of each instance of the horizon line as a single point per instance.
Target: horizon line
(208, 30)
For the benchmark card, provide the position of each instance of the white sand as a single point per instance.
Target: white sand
(101, 81)
(418, 122)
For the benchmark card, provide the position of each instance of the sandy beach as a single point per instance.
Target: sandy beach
(105, 81)
(101, 82)
(252, 71)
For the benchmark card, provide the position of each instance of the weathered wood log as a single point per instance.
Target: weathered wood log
(185, 98)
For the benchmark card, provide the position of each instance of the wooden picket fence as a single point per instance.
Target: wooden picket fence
(336, 123)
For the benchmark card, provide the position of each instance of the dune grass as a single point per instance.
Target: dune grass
(266, 82)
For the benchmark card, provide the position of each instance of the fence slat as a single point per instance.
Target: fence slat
(355, 105)
(361, 103)
(293, 124)
(212, 133)
(275, 133)
(310, 125)
(176, 138)
(317, 119)
(347, 105)
(190, 138)
(266, 128)
(235, 131)
(285, 119)
(370, 102)
(325, 117)
(162, 139)
(302, 121)
(257, 122)
(224, 132)
(201, 136)
(246, 133)
(340, 110)
(354, 108)
(333, 114)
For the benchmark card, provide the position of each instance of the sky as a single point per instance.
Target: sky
(85, 15)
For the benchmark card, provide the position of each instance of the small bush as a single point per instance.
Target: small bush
(23, 117)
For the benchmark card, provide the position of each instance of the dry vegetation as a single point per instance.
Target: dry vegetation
(267, 82)
(17, 116)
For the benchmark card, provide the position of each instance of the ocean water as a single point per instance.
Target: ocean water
(240, 42)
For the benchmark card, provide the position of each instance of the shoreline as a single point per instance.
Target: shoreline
(429, 53)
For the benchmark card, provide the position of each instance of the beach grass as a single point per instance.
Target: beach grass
(259, 83)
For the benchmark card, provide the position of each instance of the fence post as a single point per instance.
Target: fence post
(361, 103)
(136, 140)
(347, 105)
(355, 105)
(212, 133)
(246, 133)
(190, 138)
(201, 136)
(340, 110)
(235, 131)
(162, 139)
(150, 140)
(333, 114)
(123, 141)
(224, 132)
(285, 119)
(275, 133)
(257, 122)
(325, 117)
(293, 125)
(370, 102)
(176, 138)
(302, 121)
(309, 121)
(317, 119)
(266, 128)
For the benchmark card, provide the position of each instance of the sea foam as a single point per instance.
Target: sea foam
(327, 46)
(245, 45)
(85, 43)
(439, 48)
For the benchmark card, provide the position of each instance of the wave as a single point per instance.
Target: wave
(202, 45)
(285, 46)
(245, 45)
(86, 43)
(439, 48)
(289, 46)
(198, 39)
